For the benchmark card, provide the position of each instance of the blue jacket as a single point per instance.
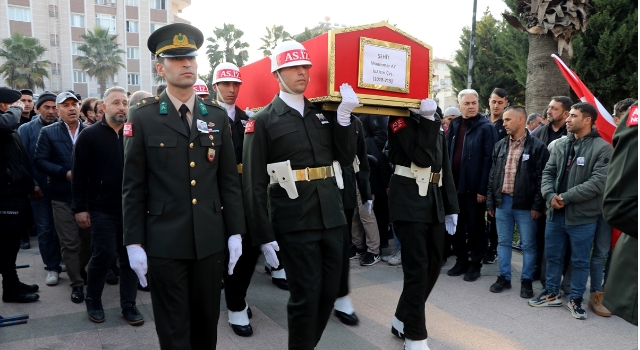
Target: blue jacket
(53, 157)
(479, 141)
(29, 133)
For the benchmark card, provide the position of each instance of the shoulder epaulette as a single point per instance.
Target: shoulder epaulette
(211, 102)
(145, 102)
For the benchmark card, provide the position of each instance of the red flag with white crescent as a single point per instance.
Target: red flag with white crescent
(605, 124)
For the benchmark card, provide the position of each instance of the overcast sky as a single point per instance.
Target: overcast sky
(438, 23)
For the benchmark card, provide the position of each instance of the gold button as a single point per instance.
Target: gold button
(221, 207)
(147, 212)
(192, 164)
(191, 145)
(193, 182)
(194, 201)
(161, 144)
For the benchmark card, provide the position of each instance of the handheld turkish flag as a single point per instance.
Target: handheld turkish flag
(604, 122)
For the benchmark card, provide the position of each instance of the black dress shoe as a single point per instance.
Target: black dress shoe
(458, 269)
(133, 316)
(29, 288)
(280, 283)
(111, 279)
(396, 332)
(77, 294)
(94, 310)
(348, 319)
(243, 331)
(473, 273)
(20, 297)
(25, 244)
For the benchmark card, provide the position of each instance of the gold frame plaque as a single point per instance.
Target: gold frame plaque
(389, 45)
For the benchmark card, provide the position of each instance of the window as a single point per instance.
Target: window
(133, 52)
(107, 22)
(105, 2)
(79, 76)
(132, 2)
(74, 49)
(133, 79)
(158, 4)
(21, 14)
(133, 27)
(55, 68)
(53, 11)
(54, 40)
(77, 21)
(115, 79)
(155, 26)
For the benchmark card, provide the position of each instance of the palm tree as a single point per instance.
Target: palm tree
(550, 26)
(102, 56)
(22, 70)
(224, 48)
(274, 36)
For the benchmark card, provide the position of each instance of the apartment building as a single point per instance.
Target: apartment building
(442, 88)
(59, 24)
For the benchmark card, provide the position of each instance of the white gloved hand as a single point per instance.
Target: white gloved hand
(138, 262)
(427, 109)
(450, 223)
(349, 103)
(248, 112)
(269, 250)
(368, 206)
(235, 251)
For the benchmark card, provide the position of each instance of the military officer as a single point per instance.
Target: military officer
(422, 205)
(620, 210)
(301, 148)
(182, 198)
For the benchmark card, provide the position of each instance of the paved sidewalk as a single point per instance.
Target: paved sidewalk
(460, 315)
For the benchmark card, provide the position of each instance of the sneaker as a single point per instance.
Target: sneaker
(501, 284)
(575, 306)
(356, 253)
(52, 278)
(546, 299)
(396, 259)
(94, 310)
(370, 259)
(133, 316)
(386, 258)
(490, 257)
(526, 289)
(63, 267)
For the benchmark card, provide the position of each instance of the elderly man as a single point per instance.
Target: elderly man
(534, 120)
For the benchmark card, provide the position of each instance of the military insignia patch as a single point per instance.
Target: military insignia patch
(127, 130)
(398, 125)
(632, 119)
(322, 118)
(164, 108)
(249, 127)
(203, 108)
(211, 124)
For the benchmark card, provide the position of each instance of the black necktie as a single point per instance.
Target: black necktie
(183, 115)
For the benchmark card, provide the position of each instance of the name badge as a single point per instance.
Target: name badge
(580, 161)
(525, 157)
(202, 126)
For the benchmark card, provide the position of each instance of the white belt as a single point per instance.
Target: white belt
(423, 177)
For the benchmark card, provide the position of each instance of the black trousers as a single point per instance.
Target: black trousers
(186, 301)
(106, 241)
(346, 245)
(472, 245)
(236, 285)
(381, 211)
(313, 260)
(493, 233)
(422, 254)
(12, 213)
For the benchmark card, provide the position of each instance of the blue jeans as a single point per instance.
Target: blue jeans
(581, 240)
(601, 248)
(396, 241)
(505, 219)
(47, 237)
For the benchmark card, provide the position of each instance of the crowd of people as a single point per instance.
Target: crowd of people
(155, 192)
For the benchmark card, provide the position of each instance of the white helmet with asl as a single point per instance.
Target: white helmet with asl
(288, 54)
(226, 72)
(200, 88)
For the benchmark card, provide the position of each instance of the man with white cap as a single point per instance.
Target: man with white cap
(299, 204)
(201, 89)
(450, 114)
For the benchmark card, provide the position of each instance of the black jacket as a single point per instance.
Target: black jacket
(53, 157)
(375, 126)
(15, 168)
(499, 125)
(478, 145)
(526, 194)
(543, 133)
(98, 161)
(237, 132)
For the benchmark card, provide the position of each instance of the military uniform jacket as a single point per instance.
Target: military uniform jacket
(173, 196)
(276, 134)
(237, 132)
(352, 179)
(420, 141)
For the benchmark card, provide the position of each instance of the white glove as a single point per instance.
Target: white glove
(348, 104)
(427, 109)
(248, 112)
(368, 205)
(269, 250)
(450, 223)
(138, 262)
(235, 251)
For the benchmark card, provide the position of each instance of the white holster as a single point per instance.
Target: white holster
(337, 170)
(283, 174)
(356, 165)
(423, 177)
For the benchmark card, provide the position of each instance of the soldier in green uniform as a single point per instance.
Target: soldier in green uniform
(620, 210)
(422, 204)
(182, 197)
(299, 149)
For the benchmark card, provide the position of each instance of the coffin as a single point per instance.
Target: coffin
(388, 69)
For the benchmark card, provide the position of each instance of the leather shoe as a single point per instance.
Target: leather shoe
(458, 269)
(77, 294)
(396, 332)
(473, 273)
(243, 331)
(348, 319)
(133, 316)
(94, 310)
(29, 288)
(280, 283)
(526, 289)
(501, 284)
(111, 278)
(20, 297)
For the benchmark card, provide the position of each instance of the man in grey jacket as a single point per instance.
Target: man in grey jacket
(573, 186)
